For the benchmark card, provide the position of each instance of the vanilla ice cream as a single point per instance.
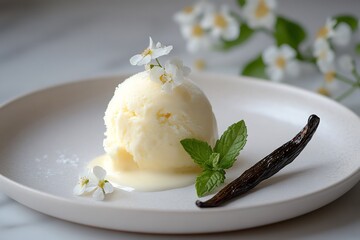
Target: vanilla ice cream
(144, 124)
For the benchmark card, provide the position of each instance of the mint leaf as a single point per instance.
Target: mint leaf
(241, 2)
(214, 161)
(255, 68)
(245, 33)
(289, 32)
(348, 19)
(230, 144)
(357, 48)
(208, 180)
(199, 151)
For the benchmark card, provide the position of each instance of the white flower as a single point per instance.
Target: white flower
(222, 24)
(342, 35)
(83, 182)
(280, 61)
(190, 14)
(152, 52)
(260, 13)
(326, 31)
(197, 37)
(346, 63)
(100, 185)
(172, 76)
(324, 55)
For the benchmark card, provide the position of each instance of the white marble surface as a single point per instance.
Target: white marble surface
(43, 43)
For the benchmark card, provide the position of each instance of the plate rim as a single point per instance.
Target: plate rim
(258, 82)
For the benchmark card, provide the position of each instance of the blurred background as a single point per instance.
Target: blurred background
(49, 42)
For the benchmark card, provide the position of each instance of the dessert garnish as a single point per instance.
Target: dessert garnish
(265, 168)
(93, 181)
(214, 161)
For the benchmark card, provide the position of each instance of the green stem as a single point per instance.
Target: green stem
(347, 93)
(158, 62)
(344, 79)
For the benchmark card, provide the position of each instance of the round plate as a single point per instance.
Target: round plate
(49, 136)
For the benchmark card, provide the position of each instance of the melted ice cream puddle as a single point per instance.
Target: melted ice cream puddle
(130, 178)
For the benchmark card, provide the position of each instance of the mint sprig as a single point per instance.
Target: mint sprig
(215, 160)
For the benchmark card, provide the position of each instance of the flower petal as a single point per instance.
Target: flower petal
(99, 172)
(167, 87)
(151, 43)
(155, 74)
(270, 54)
(98, 194)
(231, 32)
(134, 60)
(287, 51)
(275, 74)
(342, 35)
(108, 188)
(158, 52)
(144, 60)
(346, 63)
(91, 187)
(79, 189)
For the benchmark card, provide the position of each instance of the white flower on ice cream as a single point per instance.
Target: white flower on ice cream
(280, 61)
(83, 183)
(221, 24)
(342, 34)
(190, 14)
(150, 53)
(326, 31)
(324, 54)
(260, 13)
(171, 76)
(99, 184)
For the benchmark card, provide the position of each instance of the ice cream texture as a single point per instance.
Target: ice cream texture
(145, 124)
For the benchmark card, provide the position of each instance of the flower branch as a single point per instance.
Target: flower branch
(206, 27)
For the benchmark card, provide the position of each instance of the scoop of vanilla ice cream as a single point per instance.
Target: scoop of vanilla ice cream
(145, 124)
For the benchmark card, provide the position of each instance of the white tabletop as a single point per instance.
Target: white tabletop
(43, 43)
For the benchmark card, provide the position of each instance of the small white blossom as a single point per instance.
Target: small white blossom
(346, 63)
(260, 13)
(324, 54)
(326, 31)
(342, 35)
(171, 76)
(99, 185)
(221, 24)
(190, 14)
(152, 52)
(197, 37)
(280, 61)
(83, 183)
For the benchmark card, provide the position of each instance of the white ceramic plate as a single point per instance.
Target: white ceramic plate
(49, 136)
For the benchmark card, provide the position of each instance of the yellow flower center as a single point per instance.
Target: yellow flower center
(323, 32)
(165, 78)
(101, 184)
(329, 76)
(84, 181)
(280, 62)
(220, 21)
(200, 64)
(261, 10)
(146, 52)
(197, 31)
(324, 91)
(188, 10)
